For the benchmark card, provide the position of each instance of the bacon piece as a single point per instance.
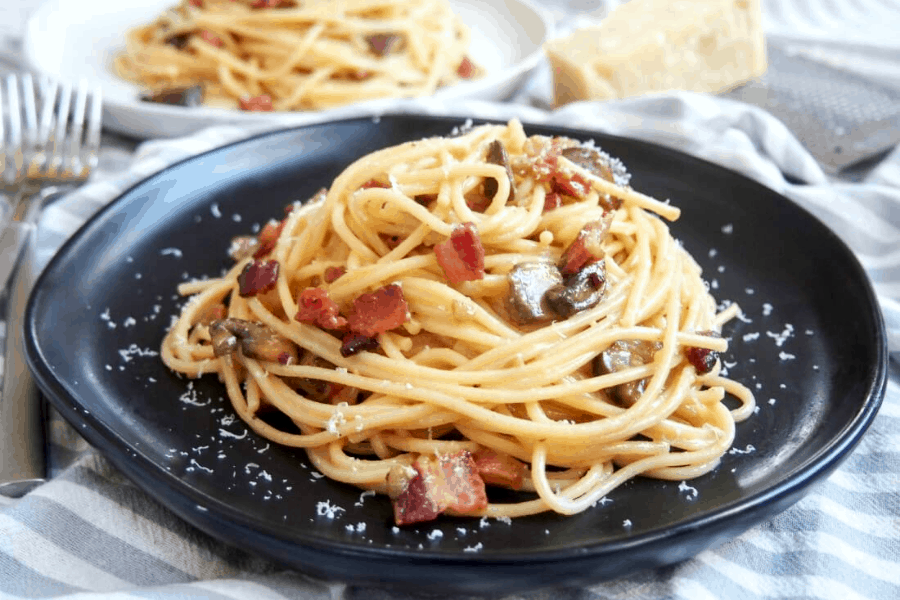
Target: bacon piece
(425, 199)
(354, 343)
(552, 200)
(445, 483)
(332, 274)
(499, 469)
(268, 237)
(586, 249)
(208, 36)
(379, 311)
(254, 339)
(477, 202)
(374, 183)
(258, 277)
(382, 43)
(197, 3)
(261, 103)
(703, 359)
(571, 185)
(466, 68)
(314, 306)
(462, 256)
(416, 503)
(266, 3)
(391, 241)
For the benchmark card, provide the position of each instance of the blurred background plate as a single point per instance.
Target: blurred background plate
(74, 39)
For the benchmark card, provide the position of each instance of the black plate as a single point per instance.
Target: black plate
(101, 307)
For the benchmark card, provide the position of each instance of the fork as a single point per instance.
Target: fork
(49, 142)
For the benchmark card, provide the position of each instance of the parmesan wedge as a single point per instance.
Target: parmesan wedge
(657, 45)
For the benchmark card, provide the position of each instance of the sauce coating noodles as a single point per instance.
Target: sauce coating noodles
(464, 373)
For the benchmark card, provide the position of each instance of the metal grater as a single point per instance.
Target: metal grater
(843, 119)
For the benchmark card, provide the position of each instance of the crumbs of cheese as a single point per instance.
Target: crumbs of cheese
(657, 45)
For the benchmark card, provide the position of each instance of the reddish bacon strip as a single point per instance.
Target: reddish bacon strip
(462, 256)
(552, 200)
(499, 469)
(268, 237)
(446, 483)
(258, 277)
(261, 103)
(333, 273)
(207, 36)
(374, 183)
(703, 359)
(314, 306)
(586, 248)
(379, 311)
(466, 69)
(571, 185)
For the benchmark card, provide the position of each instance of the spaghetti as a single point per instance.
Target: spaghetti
(486, 309)
(289, 55)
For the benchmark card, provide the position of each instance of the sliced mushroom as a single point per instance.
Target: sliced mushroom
(581, 291)
(180, 96)
(319, 389)
(179, 40)
(599, 163)
(625, 354)
(602, 165)
(255, 340)
(528, 284)
(497, 155)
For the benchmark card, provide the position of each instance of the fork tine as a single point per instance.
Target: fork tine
(31, 125)
(95, 121)
(75, 165)
(3, 174)
(49, 88)
(59, 137)
(15, 112)
(15, 123)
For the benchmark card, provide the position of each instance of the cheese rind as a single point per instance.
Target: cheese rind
(657, 45)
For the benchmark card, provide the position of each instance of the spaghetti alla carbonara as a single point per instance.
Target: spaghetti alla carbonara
(282, 55)
(454, 314)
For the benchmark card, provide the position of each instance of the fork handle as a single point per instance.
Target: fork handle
(22, 452)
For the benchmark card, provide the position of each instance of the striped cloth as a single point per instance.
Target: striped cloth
(90, 533)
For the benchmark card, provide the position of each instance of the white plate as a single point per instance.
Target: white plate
(77, 39)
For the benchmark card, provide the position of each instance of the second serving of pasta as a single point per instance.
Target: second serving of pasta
(287, 55)
(484, 309)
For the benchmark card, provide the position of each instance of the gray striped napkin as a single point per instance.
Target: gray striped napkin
(90, 533)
